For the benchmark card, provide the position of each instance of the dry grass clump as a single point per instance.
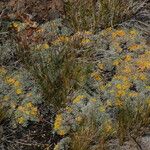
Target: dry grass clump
(92, 14)
(58, 70)
(3, 114)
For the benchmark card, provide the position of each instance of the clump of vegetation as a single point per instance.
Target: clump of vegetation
(3, 115)
(122, 99)
(58, 71)
(93, 14)
(20, 95)
(90, 72)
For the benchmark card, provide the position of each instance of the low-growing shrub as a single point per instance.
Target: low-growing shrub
(117, 94)
(20, 95)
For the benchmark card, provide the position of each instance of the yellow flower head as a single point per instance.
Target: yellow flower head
(16, 26)
(2, 70)
(133, 32)
(96, 76)
(21, 108)
(102, 87)
(133, 94)
(61, 39)
(101, 66)
(61, 132)
(64, 39)
(79, 119)
(69, 109)
(29, 94)
(93, 100)
(143, 64)
(87, 32)
(29, 104)
(127, 69)
(17, 84)
(102, 109)
(34, 111)
(108, 103)
(10, 80)
(134, 47)
(45, 46)
(116, 62)
(6, 98)
(85, 41)
(119, 86)
(57, 147)
(120, 93)
(13, 105)
(19, 91)
(21, 120)
(118, 33)
(128, 58)
(107, 127)
(142, 77)
(118, 103)
(148, 102)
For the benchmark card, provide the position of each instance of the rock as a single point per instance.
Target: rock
(142, 143)
(145, 142)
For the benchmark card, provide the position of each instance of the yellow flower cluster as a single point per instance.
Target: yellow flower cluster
(2, 71)
(44, 46)
(18, 26)
(58, 124)
(28, 109)
(10, 80)
(79, 119)
(107, 126)
(117, 46)
(128, 58)
(61, 39)
(133, 32)
(118, 33)
(133, 94)
(83, 33)
(100, 66)
(21, 120)
(78, 99)
(87, 32)
(134, 47)
(93, 100)
(102, 108)
(96, 76)
(18, 91)
(69, 109)
(85, 41)
(143, 64)
(116, 62)
(15, 83)
(123, 86)
(142, 76)
(127, 69)
(118, 103)
(15, 26)
(6, 98)
(57, 147)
